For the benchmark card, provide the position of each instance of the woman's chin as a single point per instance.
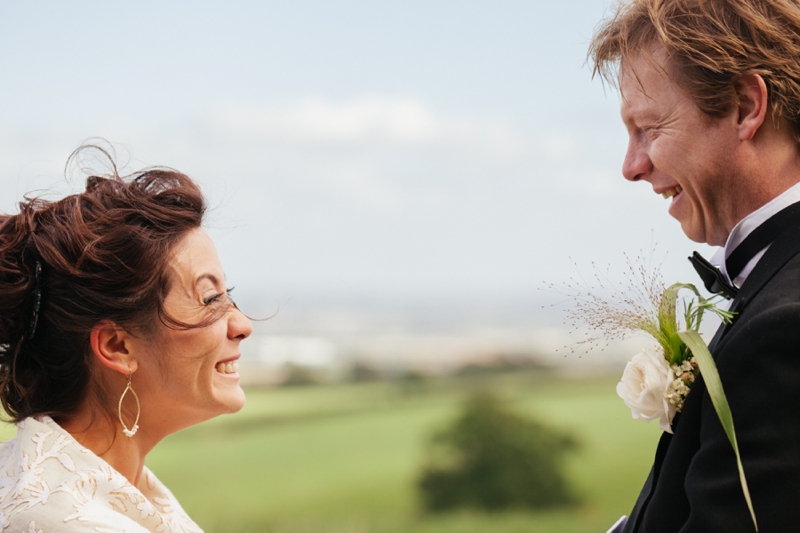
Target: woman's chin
(239, 402)
(228, 392)
(235, 400)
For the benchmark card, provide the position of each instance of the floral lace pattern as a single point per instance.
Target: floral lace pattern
(50, 483)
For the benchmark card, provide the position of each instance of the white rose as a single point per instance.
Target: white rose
(644, 386)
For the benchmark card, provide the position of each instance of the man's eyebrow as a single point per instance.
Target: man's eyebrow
(640, 115)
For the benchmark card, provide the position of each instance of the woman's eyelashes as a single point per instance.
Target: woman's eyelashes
(217, 297)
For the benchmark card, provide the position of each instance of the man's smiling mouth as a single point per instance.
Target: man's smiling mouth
(672, 192)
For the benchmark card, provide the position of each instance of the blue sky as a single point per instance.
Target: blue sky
(383, 149)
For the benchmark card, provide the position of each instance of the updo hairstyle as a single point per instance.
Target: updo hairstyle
(103, 255)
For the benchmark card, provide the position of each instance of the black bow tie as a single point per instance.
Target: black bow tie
(759, 238)
(712, 277)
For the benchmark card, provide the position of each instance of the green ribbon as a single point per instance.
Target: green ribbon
(708, 369)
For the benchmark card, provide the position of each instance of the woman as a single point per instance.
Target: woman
(116, 329)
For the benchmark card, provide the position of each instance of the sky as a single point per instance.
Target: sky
(428, 151)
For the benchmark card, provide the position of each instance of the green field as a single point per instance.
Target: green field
(344, 458)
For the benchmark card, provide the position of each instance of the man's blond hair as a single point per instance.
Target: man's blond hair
(711, 46)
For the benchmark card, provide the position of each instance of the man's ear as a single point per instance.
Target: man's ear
(753, 105)
(111, 346)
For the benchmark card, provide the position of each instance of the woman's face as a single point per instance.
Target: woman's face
(186, 376)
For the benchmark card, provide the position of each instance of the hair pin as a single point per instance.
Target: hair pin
(37, 299)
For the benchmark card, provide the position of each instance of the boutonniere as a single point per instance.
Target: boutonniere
(657, 381)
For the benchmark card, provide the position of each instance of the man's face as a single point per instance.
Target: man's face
(685, 155)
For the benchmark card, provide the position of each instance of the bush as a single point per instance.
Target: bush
(297, 375)
(412, 382)
(493, 458)
(361, 372)
(503, 364)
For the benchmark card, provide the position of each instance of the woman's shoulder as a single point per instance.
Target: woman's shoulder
(49, 482)
(169, 509)
(45, 485)
(34, 521)
(36, 461)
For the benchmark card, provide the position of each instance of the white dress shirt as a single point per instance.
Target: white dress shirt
(746, 226)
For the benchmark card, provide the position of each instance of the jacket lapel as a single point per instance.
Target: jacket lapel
(780, 252)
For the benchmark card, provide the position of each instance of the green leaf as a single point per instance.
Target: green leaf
(667, 336)
(708, 369)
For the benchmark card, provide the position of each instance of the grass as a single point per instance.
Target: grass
(345, 458)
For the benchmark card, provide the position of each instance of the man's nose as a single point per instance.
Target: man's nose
(637, 164)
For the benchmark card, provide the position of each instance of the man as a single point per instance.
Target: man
(710, 93)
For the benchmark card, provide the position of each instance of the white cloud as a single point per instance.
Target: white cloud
(366, 119)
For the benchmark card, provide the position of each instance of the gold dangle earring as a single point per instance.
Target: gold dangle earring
(132, 431)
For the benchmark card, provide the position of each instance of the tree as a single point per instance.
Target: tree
(362, 372)
(494, 458)
(297, 375)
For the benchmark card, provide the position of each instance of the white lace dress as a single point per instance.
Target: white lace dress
(49, 483)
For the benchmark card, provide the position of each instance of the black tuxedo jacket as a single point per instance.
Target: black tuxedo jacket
(694, 484)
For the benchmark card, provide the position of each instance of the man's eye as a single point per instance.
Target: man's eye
(651, 131)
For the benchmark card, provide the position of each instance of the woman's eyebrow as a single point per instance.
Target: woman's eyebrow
(209, 276)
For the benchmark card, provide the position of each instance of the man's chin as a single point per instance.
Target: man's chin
(692, 231)
(694, 235)
(697, 233)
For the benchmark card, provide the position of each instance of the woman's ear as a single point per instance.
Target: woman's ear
(111, 345)
(753, 105)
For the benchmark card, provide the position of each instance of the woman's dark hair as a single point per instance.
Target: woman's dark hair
(103, 254)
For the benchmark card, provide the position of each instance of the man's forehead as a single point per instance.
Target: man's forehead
(646, 76)
(646, 68)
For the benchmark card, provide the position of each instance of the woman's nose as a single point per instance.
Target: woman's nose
(239, 326)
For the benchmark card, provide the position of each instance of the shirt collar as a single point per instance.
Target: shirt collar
(746, 226)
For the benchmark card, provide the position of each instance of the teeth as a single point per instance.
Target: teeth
(672, 192)
(227, 368)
